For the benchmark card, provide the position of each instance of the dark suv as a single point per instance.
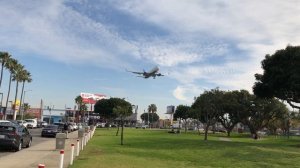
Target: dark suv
(14, 136)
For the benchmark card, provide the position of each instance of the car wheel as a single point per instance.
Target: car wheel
(19, 147)
(29, 143)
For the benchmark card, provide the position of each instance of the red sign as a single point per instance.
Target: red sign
(90, 98)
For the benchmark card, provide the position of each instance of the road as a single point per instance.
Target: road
(42, 151)
(36, 139)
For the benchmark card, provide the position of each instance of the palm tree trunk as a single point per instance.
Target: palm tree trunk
(15, 112)
(22, 110)
(1, 73)
(8, 93)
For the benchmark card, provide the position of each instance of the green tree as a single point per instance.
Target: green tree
(17, 76)
(25, 77)
(82, 107)
(261, 112)
(10, 65)
(196, 115)
(208, 104)
(152, 109)
(105, 108)
(281, 76)
(182, 112)
(4, 58)
(153, 117)
(230, 108)
(122, 110)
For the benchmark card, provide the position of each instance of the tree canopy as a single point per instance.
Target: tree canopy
(153, 117)
(209, 106)
(105, 107)
(281, 76)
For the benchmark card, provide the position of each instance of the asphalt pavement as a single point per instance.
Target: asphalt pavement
(43, 152)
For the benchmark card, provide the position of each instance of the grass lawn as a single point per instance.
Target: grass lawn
(157, 148)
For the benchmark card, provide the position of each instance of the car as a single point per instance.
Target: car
(145, 126)
(4, 121)
(22, 122)
(32, 123)
(60, 125)
(42, 124)
(50, 131)
(100, 125)
(14, 136)
(73, 126)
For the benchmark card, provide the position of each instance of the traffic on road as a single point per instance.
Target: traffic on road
(22, 134)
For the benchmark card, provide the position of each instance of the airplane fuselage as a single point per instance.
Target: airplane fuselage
(152, 73)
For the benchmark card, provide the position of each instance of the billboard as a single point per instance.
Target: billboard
(90, 98)
(170, 109)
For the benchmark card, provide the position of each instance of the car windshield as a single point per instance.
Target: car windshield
(29, 121)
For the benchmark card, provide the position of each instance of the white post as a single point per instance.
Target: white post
(85, 139)
(82, 139)
(61, 163)
(72, 154)
(77, 152)
(41, 166)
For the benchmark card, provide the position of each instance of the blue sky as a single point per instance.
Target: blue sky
(85, 46)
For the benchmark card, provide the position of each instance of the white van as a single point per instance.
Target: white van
(32, 123)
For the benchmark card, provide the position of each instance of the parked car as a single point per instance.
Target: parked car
(74, 126)
(42, 124)
(145, 126)
(32, 123)
(60, 125)
(22, 122)
(50, 131)
(14, 136)
(4, 121)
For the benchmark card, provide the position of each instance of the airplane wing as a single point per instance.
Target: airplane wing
(139, 73)
(159, 74)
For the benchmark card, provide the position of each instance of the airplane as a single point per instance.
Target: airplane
(152, 73)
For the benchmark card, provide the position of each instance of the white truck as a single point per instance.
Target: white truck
(32, 123)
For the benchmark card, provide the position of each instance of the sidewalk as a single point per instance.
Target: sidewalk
(43, 153)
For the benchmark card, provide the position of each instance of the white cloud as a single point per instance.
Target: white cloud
(172, 52)
(55, 31)
(189, 47)
(254, 27)
(186, 93)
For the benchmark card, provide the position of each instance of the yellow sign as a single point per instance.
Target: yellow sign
(17, 105)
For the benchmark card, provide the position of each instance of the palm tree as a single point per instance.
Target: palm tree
(17, 76)
(81, 105)
(25, 77)
(152, 109)
(10, 64)
(4, 58)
